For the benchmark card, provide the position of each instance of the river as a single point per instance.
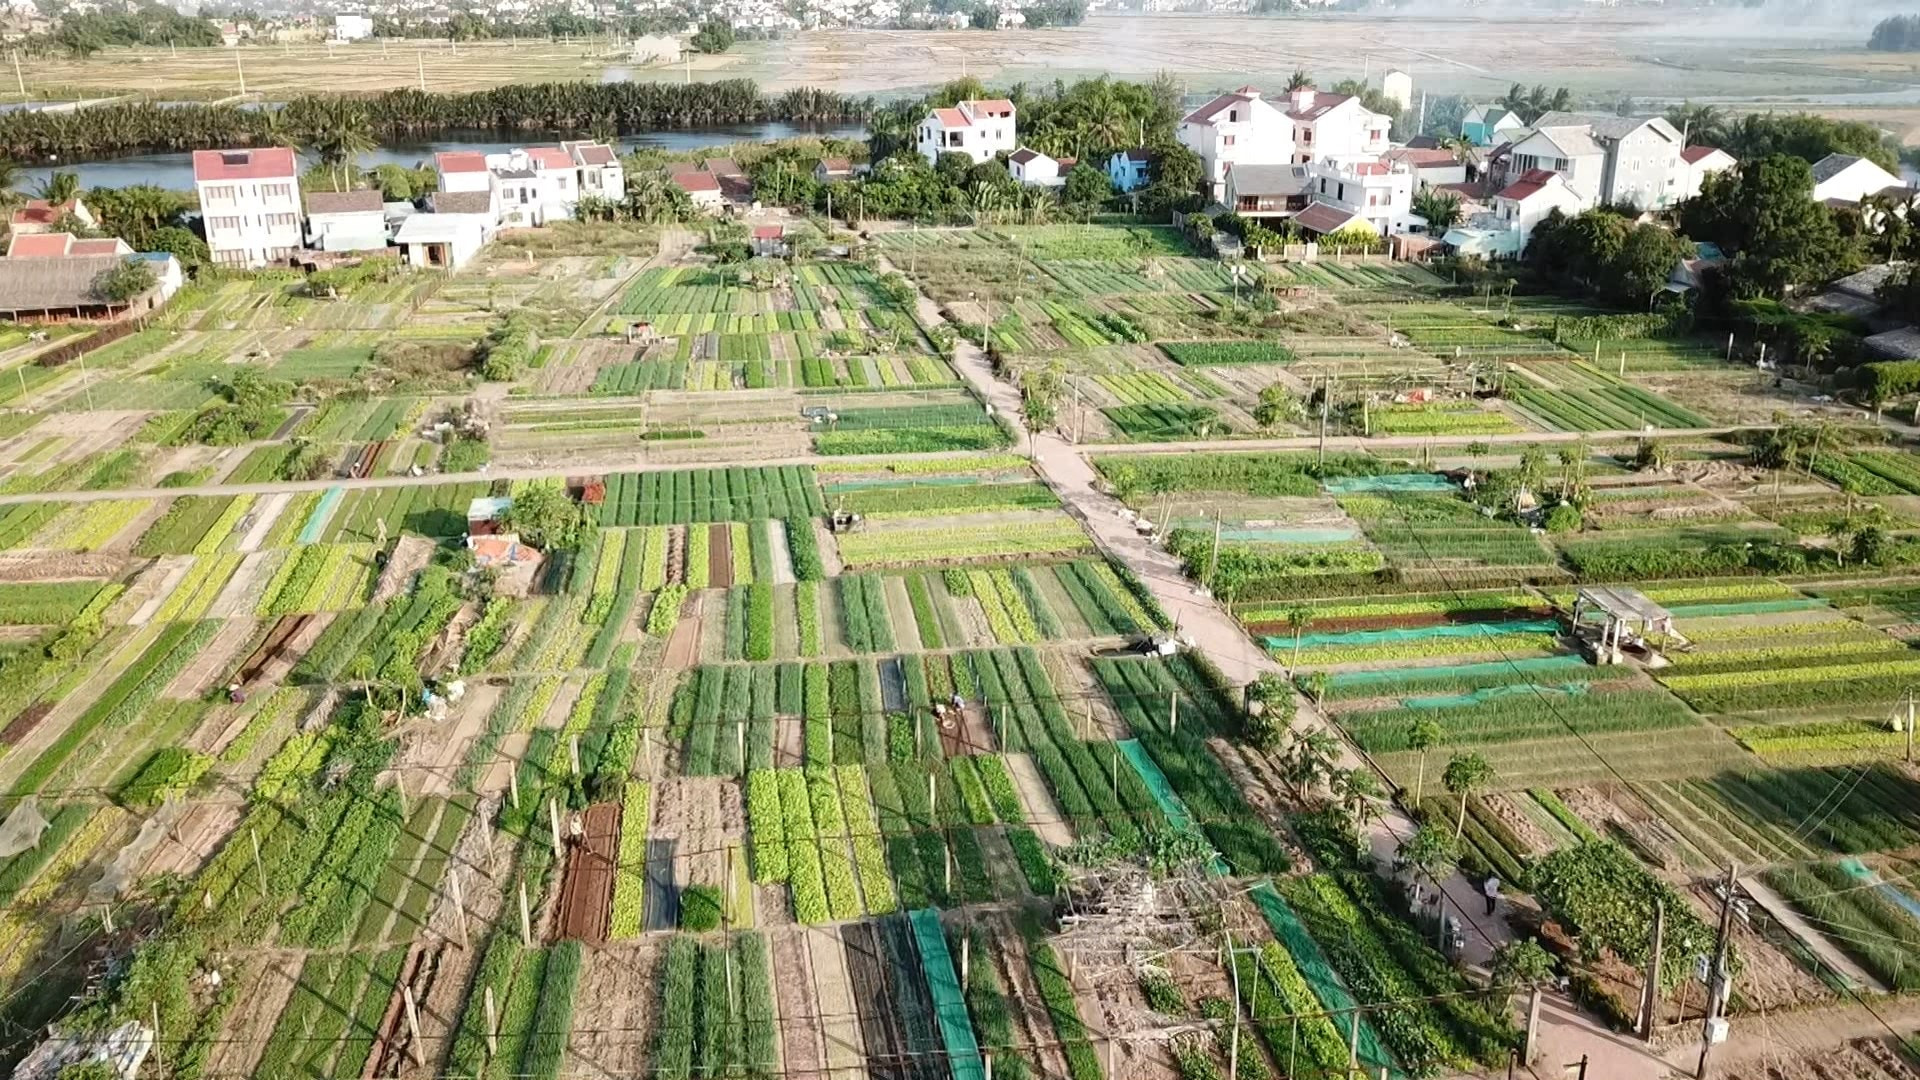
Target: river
(176, 170)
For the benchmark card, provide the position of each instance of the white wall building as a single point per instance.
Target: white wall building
(978, 129)
(352, 27)
(1245, 128)
(249, 203)
(346, 220)
(1518, 208)
(597, 169)
(1379, 191)
(1632, 161)
(1397, 86)
(1699, 162)
(1033, 167)
(1846, 178)
(441, 241)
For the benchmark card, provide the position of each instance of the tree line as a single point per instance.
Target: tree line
(1896, 33)
(604, 108)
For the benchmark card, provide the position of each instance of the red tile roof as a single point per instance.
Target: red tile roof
(39, 245)
(837, 164)
(549, 157)
(991, 106)
(265, 163)
(460, 161)
(107, 246)
(768, 232)
(41, 212)
(595, 154)
(1694, 155)
(1529, 185)
(695, 182)
(952, 118)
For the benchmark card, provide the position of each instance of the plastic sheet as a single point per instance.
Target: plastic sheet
(1333, 994)
(1466, 672)
(1488, 693)
(1417, 633)
(1157, 786)
(22, 828)
(1390, 483)
(1746, 607)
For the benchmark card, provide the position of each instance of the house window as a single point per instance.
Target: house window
(276, 191)
(219, 196)
(1226, 140)
(1233, 116)
(1373, 200)
(1306, 136)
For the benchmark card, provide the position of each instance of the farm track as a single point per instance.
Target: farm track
(802, 1040)
(880, 1029)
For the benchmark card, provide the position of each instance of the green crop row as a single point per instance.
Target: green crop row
(630, 868)
(805, 873)
(864, 829)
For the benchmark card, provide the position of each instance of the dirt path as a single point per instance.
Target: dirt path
(1041, 813)
(265, 513)
(781, 572)
(829, 549)
(1790, 919)
(802, 1040)
(270, 982)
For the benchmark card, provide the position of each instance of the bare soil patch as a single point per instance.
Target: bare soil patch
(586, 889)
(613, 1011)
(1041, 813)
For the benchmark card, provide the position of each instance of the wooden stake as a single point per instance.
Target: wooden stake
(106, 917)
(949, 852)
(400, 788)
(1113, 1056)
(526, 920)
(493, 1027)
(553, 818)
(986, 1059)
(460, 905)
(933, 797)
(573, 752)
(413, 1025)
(258, 868)
(740, 738)
(513, 784)
(966, 956)
(646, 742)
(1173, 712)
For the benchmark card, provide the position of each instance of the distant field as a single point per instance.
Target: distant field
(1594, 52)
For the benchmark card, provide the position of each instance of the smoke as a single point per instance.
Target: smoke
(1811, 22)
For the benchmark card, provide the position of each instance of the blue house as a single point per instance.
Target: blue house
(1128, 168)
(1489, 125)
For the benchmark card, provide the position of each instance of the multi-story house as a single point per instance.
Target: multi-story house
(1503, 232)
(978, 129)
(1379, 192)
(1245, 128)
(598, 171)
(249, 203)
(1700, 162)
(1628, 161)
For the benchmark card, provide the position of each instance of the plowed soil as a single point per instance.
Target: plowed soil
(613, 1011)
(719, 556)
(586, 890)
(802, 1042)
(880, 1029)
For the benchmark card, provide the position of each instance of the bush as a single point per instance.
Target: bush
(507, 349)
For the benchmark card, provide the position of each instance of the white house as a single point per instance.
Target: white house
(441, 241)
(654, 49)
(1245, 128)
(1128, 170)
(1430, 166)
(978, 129)
(536, 184)
(346, 220)
(1033, 167)
(1848, 179)
(463, 170)
(352, 27)
(1631, 161)
(249, 203)
(1397, 87)
(1699, 162)
(1504, 232)
(1381, 192)
(702, 187)
(597, 169)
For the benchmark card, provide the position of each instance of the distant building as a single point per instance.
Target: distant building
(1268, 191)
(1490, 125)
(1430, 167)
(1030, 166)
(1517, 209)
(1129, 170)
(598, 170)
(64, 288)
(346, 220)
(978, 129)
(441, 241)
(1378, 192)
(530, 186)
(1624, 160)
(1845, 178)
(1698, 163)
(702, 187)
(829, 170)
(249, 204)
(769, 241)
(352, 27)
(1245, 128)
(654, 49)
(39, 215)
(1397, 86)
(60, 245)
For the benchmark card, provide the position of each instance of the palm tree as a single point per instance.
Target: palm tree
(1298, 619)
(1702, 125)
(60, 187)
(9, 176)
(1299, 80)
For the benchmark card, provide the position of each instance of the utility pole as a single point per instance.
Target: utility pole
(242, 72)
(1213, 563)
(420, 64)
(1909, 725)
(1717, 976)
(17, 77)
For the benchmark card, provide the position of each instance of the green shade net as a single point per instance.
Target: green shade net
(1333, 994)
(949, 1003)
